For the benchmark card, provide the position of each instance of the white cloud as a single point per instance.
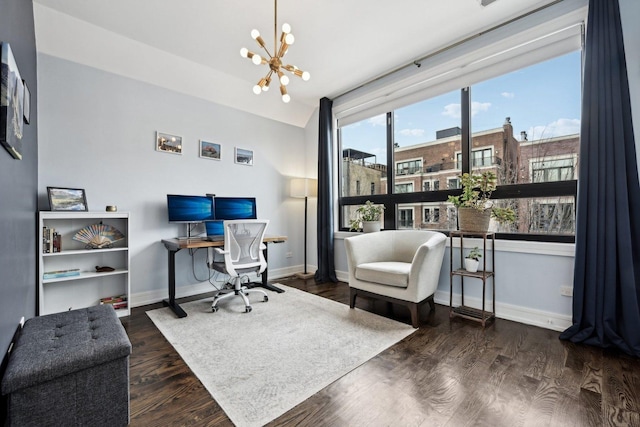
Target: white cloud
(508, 95)
(558, 128)
(412, 132)
(454, 111)
(477, 107)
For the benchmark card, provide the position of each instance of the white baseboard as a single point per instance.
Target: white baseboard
(157, 295)
(528, 316)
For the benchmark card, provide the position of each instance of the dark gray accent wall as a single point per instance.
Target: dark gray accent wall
(19, 184)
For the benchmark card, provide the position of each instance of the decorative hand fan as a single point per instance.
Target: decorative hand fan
(98, 236)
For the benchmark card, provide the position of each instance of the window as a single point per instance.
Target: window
(549, 216)
(523, 125)
(552, 170)
(405, 218)
(404, 188)
(364, 156)
(410, 167)
(373, 188)
(431, 185)
(431, 215)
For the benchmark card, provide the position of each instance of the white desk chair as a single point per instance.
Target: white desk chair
(243, 253)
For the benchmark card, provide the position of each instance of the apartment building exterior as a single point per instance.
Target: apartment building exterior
(436, 165)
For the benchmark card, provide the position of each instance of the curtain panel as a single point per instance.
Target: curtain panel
(606, 302)
(326, 264)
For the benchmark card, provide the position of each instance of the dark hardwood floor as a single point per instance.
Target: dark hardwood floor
(447, 373)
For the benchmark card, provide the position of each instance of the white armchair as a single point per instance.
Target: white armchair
(398, 266)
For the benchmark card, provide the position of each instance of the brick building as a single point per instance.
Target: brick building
(436, 165)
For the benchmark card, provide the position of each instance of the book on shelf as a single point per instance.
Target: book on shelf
(118, 301)
(61, 273)
(51, 240)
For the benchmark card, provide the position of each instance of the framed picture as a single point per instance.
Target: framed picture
(12, 99)
(209, 150)
(67, 199)
(168, 143)
(244, 157)
(27, 103)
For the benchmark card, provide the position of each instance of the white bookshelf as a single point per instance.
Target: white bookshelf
(86, 289)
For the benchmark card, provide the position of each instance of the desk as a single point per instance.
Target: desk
(175, 245)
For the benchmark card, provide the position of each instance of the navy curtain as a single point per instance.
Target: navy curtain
(326, 266)
(606, 301)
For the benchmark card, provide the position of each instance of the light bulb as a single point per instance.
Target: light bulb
(286, 28)
(306, 76)
(257, 89)
(284, 79)
(289, 39)
(265, 88)
(256, 59)
(286, 98)
(244, 52)
(255, 34)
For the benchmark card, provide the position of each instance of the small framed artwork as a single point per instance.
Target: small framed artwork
(244, 156)
(27, 103)
(209, 150)
(67, 199)
(168, 143)
(12, 100)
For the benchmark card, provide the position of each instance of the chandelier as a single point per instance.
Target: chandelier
(276, 66)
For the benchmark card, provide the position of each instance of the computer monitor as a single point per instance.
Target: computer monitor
(189, 209)
(235, 208)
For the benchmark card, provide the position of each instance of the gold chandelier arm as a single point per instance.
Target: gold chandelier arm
(297, 71)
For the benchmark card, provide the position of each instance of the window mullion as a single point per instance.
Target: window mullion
(465, 143)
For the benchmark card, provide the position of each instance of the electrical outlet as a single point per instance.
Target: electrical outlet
(289, 255)
(567, 291)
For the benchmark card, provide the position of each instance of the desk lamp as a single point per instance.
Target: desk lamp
(304, 188)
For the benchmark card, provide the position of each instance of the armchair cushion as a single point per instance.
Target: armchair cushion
(390, 273)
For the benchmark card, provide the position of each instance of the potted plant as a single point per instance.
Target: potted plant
(472, 260)
(366, 217)
(474, 208)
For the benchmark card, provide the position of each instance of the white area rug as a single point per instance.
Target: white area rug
(259, 365)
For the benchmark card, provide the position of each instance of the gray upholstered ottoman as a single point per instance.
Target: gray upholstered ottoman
(70, 369)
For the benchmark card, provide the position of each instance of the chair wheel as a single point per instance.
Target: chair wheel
(214, 309)
(247, 309)
(265, 299)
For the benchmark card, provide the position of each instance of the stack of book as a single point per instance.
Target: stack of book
(60, 273)
(118, 302)
(51, 240)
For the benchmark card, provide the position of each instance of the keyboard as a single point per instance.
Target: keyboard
(216, 238)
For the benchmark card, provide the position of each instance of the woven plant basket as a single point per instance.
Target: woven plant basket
(470, 219)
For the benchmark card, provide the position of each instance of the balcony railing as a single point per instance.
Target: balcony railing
(480, 162)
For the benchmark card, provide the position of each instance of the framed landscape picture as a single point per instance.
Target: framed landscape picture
(244, 156)
(168, 143)
(67, 199)
(209, 150)
(11, 103)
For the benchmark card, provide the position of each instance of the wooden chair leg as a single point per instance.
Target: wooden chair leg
(352, 297)
(432, 304)
(413, 309)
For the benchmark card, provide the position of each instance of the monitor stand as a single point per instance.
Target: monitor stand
(190, 226)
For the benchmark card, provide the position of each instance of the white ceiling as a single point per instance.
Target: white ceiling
(342, 43)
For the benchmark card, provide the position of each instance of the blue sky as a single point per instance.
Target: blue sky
(543, 100)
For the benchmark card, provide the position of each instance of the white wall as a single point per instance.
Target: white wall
(97, 132)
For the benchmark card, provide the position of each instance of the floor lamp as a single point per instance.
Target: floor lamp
(304, 188)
